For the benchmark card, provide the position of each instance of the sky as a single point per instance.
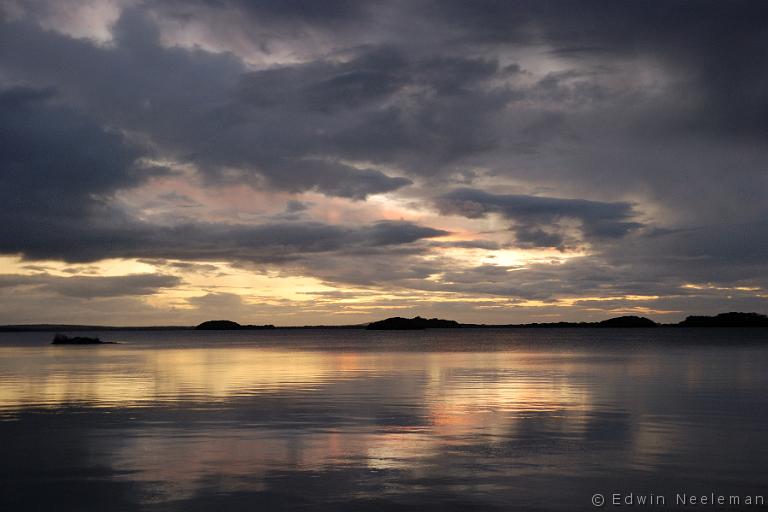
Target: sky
(301, 162)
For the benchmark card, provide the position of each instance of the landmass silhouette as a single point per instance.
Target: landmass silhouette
(628, 321)
(727, 320)
(732, 319)
(229, 325)
(417, 323)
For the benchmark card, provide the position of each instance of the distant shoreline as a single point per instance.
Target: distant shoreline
(723, 320)
(86, 328)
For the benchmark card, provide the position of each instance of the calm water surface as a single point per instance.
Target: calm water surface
(352, 420)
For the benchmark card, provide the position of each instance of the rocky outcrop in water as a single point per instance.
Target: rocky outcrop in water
(62, 339)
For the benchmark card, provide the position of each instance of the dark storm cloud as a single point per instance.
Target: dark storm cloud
(93, 239)
(532, 215)
(372, 76)
(722, 255)
(60, 170)
(717, 45)
(187, 101)
(291, 127)
(383, 104)
(51, 153)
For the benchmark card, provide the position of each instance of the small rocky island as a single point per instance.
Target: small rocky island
(417, 323)
(628, 321)
(229, 325)
(63, 339)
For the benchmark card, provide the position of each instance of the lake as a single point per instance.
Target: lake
(354, 420)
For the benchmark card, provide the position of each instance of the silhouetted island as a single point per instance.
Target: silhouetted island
(229, 325)
(61, 339)
(619, 321)
(732, 319)
(628, 321)
(417, 323)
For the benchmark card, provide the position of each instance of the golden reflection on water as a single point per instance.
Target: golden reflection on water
(245, 416)
(457, 396)
(128, 377)
(453, 385)
(454, 395)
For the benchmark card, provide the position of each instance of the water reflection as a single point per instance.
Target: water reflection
(129, 377)
(151, 426)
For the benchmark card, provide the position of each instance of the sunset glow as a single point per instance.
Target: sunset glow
(349, 169)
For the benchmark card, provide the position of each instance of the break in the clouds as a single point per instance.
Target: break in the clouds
(336, 161)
